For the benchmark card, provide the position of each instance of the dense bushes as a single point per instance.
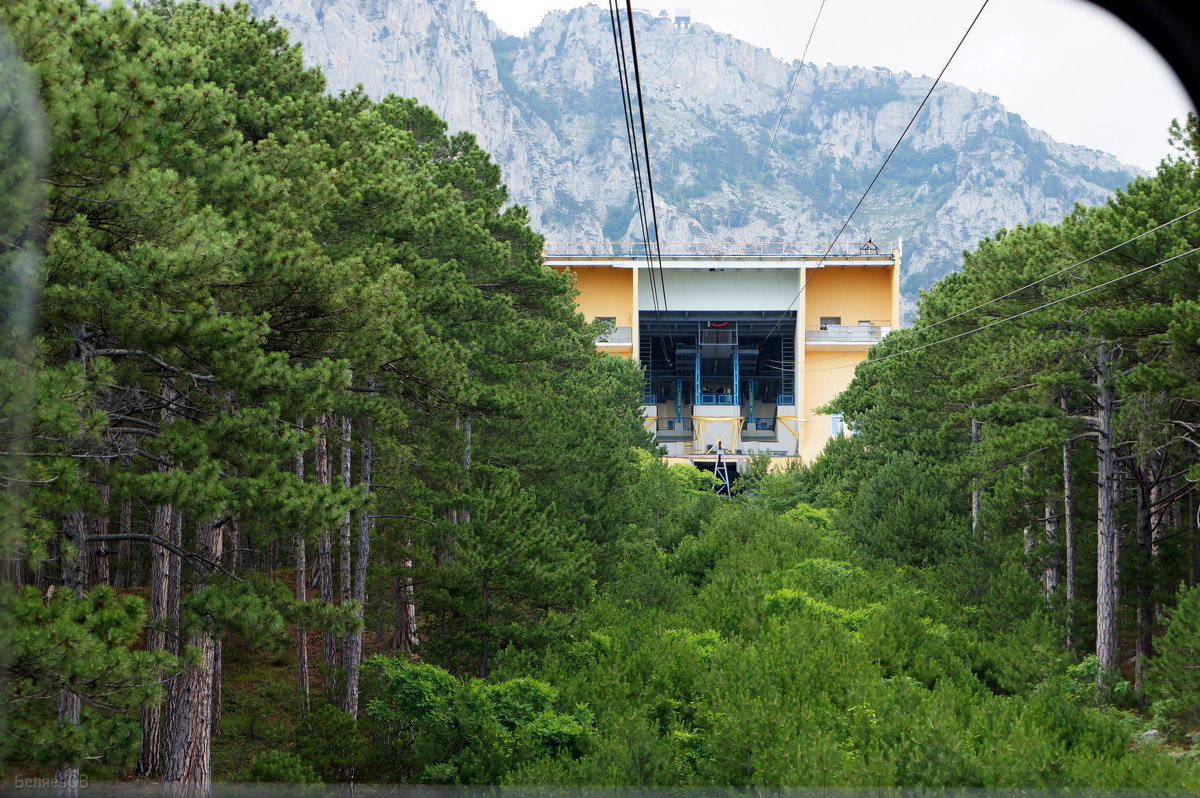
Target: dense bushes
(437, 728)
(789, 660)
(1175, 673)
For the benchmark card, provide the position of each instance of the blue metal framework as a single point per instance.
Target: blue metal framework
(728, 360)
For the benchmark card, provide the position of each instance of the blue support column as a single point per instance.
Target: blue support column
(678, 404)
(697, 376)
(737, 379)
(750, 401)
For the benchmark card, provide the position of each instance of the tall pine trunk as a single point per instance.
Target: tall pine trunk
(976, 495)
(124, 574)
(1149, 533)
(301, 593)
(174, 641)
(162, 614)
(97, 524)
(232, 532)
(1068, 531)
(75, 575)
(1108, 643)
(1193, 525)
(325, 549)
(353, 645)
(405, 637)
(271, 560)
(1028, 538)
(187, 757)
(1050, 568)
(338, 691)
(217, 677)
(1145, 590)
(66, 776)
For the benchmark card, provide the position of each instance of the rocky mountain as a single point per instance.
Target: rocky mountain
(548, 108)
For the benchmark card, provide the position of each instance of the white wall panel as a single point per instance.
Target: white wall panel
(728, 289)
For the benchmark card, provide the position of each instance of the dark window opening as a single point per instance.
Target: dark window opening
(729, 358)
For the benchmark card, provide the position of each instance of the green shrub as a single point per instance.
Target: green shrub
(788, 601)
(902, 513)
(518, 701)
(551, 732)
(439, 729)
(817, 517)
(824, 575)
(441, 773)
(904, 639)
(1173, 678)
(281, 767)
(412, 690)
(330, 741)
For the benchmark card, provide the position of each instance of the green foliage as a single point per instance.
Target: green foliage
(330, 744)
(438, 728)
(1174, 677)
(793, 661)
(281, 767)
(790, 602)
(88, 646)
(518, 701)
(230, 250)
(410, 691)
(902, 513)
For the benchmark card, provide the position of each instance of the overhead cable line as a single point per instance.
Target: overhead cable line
(782, 111)
(1064, 270)
(1015, 316)
(631, 136)
(901, 334)
(637, 79)
(883, 165)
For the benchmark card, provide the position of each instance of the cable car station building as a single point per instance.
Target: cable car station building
(749, 340)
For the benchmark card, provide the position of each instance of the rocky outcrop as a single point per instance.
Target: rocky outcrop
(744, 146)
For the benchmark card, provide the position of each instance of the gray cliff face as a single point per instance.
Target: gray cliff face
(548, 109)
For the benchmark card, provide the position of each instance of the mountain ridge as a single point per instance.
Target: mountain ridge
(547, 107)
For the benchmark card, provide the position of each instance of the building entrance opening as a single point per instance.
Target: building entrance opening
(719, 369)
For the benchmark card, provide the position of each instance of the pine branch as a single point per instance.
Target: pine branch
(187, 555)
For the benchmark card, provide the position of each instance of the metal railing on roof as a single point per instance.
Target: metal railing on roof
(719, 249)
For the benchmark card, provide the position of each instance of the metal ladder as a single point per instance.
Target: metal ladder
(645, 351)
(787, 353)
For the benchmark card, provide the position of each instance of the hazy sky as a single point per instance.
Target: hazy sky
(1066, 66)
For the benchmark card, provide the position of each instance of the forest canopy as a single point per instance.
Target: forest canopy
(283, 336)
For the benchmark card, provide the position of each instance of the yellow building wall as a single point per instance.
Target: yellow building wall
(826, 374)
(609, 293)
(854, 293)
(604, 291)
(895, 276)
